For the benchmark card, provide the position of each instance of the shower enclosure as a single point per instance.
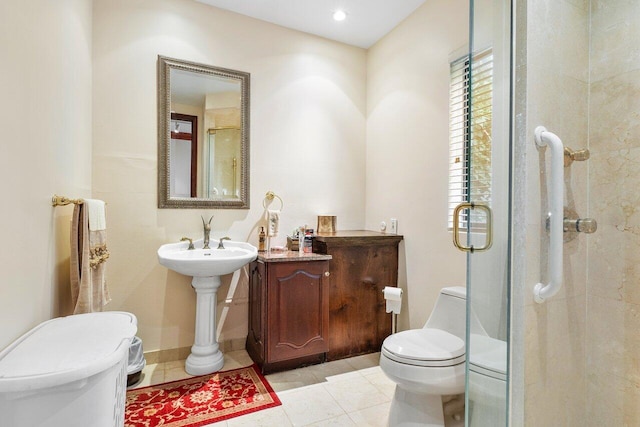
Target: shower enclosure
(575, 357)
(481, 223)
(572, 66)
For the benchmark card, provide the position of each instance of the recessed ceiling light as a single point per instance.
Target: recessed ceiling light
(339, 15)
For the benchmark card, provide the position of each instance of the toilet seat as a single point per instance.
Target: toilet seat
(424, 347)
(488, 357)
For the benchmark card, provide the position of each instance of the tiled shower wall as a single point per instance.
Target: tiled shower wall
(582, 347)
(613, 296)
(557, 73)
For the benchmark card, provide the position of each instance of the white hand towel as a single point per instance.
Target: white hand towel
(273, 222)
(97, 215)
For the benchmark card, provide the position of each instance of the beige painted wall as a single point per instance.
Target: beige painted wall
(408, 148)
(308, 113)
(46, 148)
(308, 134)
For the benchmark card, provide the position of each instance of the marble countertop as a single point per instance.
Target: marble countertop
(289, 256)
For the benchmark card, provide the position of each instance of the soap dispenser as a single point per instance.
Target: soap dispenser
(261, 240)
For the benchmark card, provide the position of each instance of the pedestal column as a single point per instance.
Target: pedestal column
(205, 356)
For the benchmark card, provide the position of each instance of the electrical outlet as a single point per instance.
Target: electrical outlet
(394, 226)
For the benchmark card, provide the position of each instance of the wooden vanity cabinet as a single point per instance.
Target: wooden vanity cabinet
(288, 311)
(362, 264)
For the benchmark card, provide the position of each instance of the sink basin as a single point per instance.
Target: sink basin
(206, 266)
(206, 262)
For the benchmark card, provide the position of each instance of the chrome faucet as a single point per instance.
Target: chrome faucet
(207, 231)
(222, 239)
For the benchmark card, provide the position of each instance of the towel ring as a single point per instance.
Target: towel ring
(270, 196)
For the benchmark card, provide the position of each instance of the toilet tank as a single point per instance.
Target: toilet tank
(449, 312)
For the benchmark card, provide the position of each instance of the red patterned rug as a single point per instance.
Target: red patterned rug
(199, 401)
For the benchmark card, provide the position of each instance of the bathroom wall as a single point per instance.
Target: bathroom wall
(613, 296)
(580, 347)
(46, 148)
(552, 90)
(308, 111)
(408, 148)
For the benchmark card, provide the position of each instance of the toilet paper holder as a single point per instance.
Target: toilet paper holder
(393, 297)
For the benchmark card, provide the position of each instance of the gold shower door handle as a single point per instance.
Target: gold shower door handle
(456, 227)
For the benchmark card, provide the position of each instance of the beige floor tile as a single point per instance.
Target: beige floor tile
(346, 376)
(265, 418)
(328, 369)
(364, 361)
(151, 375)
(355, 393)
(309, 405)
(236, 359)
(375, 416)
(318, 395)
(287, 380)
(341, 421)
(175, 372)
(378, 378)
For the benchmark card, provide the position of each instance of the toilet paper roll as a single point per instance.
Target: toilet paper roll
(393, 297)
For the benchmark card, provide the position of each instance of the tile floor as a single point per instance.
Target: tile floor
(348, 392)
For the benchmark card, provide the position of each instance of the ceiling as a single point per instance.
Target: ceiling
(367, 20)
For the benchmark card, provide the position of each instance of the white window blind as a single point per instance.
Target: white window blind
(470, 136)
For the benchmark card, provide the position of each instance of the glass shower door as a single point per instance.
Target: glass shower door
(483, 219)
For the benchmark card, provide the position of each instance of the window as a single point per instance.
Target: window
(470, 169)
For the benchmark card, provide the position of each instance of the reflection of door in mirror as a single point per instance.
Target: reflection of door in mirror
(184, 155)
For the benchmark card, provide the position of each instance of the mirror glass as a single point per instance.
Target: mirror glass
(203, 136)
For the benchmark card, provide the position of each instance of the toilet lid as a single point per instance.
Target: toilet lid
(488, 356)
(424, 347)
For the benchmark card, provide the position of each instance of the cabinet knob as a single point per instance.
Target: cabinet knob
(327, 274)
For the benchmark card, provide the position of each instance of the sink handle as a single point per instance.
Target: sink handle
(222, 239)
(191, 247)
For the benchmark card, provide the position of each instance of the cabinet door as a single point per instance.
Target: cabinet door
(257, 302)
(298, 317)
(357, 316)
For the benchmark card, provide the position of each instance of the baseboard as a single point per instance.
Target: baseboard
(181, 353)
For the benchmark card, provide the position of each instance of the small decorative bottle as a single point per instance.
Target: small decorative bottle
(301, 240)
(261, 239)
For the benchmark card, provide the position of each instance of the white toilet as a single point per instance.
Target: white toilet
(427, 363)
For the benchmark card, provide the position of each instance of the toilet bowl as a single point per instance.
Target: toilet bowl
(427, 363)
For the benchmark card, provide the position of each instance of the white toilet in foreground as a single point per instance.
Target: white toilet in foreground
(427, 363)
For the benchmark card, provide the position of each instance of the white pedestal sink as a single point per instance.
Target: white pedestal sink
(206, 266)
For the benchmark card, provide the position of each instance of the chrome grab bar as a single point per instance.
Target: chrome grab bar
(556, 218)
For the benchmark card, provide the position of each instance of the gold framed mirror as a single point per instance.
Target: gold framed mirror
(203, 136)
